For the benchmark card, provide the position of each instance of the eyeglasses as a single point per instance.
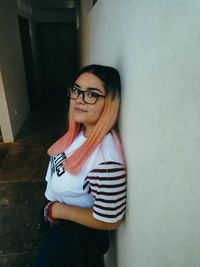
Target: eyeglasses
(89, 97)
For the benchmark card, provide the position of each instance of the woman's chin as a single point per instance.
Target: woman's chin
(78, 117)
(79, 120)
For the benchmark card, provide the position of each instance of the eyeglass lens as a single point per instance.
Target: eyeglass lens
(88, 97)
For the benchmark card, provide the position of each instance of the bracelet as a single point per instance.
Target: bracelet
(49, 211)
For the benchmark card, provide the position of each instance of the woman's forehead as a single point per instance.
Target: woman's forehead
(88, 80)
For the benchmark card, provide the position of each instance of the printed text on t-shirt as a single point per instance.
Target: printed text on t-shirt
(57, 164)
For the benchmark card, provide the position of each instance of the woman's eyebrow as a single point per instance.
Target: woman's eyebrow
(89, 88)
(77, 85)
(93, 89)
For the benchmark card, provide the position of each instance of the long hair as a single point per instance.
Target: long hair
(108, 120)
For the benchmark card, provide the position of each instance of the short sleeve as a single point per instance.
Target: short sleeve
(107, 184)
(48, 173)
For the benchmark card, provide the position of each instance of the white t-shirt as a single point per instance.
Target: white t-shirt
(100, 184)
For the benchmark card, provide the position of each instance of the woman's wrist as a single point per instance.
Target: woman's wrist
(50, 213)
(56, 208)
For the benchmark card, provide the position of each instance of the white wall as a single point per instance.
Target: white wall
(6, 129)
(13, 85)
(156, 47)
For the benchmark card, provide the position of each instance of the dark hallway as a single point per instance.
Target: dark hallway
(49, 49)
(22, 169)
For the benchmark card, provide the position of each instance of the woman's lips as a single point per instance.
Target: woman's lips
(79, 110)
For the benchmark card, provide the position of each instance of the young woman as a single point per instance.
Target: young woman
(86, 177)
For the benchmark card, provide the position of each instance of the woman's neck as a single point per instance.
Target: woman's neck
(88, 130)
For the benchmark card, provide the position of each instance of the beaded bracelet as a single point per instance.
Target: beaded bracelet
(48, 213)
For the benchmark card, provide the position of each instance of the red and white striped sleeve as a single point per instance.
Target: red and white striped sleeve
(107, 183)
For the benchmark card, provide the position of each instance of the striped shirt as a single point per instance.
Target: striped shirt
(107, 184)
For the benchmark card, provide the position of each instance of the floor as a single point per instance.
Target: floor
(22, 170)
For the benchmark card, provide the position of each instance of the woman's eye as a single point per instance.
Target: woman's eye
(92, 95)
(75, 90)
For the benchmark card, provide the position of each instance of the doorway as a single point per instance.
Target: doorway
(1, 137)
(57, 45)
(28, 58)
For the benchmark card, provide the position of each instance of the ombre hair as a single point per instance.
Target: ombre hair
(107, 122)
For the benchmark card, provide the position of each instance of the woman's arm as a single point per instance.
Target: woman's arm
(80, 215)
(107, 184)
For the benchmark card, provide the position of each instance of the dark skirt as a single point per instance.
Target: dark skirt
(69, 244)
(87, 245)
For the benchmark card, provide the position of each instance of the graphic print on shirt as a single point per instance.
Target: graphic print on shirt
(57, 164)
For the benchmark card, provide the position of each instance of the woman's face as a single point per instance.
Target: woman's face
(88, 114)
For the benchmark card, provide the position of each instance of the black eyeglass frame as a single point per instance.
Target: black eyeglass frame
(83, 95)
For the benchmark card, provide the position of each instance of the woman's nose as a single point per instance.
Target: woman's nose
(80, 99)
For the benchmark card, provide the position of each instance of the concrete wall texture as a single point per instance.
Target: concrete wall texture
(155, 46)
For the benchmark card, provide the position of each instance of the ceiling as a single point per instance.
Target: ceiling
(51, 4)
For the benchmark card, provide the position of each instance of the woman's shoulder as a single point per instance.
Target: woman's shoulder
(111, 149)
(77, 142)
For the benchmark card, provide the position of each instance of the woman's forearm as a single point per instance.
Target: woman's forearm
(81, 215)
